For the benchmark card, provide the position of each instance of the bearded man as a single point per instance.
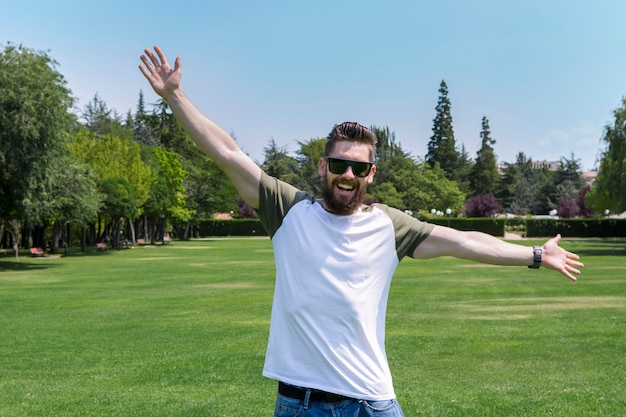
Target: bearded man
(335, 258)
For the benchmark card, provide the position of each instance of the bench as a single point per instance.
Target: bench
(101, 246)
(37, 251)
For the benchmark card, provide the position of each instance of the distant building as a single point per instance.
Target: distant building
(550, 165)
(590, 177)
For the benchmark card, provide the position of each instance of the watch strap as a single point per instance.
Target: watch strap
(537, 252)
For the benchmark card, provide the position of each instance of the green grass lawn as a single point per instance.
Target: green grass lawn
(181, 330)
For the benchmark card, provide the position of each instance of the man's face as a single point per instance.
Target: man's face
(343, 193)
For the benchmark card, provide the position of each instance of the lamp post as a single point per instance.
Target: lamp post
(448, 212)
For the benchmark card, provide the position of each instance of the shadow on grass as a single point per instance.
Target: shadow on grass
(17, 266)
(26, 262)
(601, 247)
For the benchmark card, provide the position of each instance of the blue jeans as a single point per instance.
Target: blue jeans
(290, 407)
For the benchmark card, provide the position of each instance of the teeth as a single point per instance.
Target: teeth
(348, 187)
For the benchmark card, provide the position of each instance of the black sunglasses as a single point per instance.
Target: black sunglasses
(339, 166)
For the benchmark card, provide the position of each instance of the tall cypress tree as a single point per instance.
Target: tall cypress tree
(442, 147)
(484, 173)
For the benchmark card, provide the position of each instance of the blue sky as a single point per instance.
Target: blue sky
(548, 74)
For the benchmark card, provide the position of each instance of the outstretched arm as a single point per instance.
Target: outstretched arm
(209, 137)
(481, 247)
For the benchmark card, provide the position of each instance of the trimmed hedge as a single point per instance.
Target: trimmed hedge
(576, 227)
(235, 227)
(492, 226)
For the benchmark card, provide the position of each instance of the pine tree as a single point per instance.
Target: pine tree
(442, 147)
(484, 173)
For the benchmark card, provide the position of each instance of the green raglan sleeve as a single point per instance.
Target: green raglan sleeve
(409, 231)
(275, 199)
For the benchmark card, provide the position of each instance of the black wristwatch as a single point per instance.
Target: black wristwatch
(536, 257)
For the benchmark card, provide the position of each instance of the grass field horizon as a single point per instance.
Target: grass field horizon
(181, 330)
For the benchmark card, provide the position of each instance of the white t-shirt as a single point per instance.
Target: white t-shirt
(327, 329)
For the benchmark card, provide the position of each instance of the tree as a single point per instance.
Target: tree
(308, 156)
(279, 164)
(114, 158)
(34, 125)
(101, 120)
(484, 173)
(172, 174)
(143, 129)
(609, 189)
(442, 146)
(68, 195)
(119, 204)
(563, 188)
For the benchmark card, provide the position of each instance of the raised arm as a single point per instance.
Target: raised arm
(481, 247)
(211, 138)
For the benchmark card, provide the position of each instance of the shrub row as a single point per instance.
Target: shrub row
(576, 227)
(235, 227)
(494, 227)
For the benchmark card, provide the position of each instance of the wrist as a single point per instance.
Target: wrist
(537, 254)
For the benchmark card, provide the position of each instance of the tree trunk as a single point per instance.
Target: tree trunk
(56, 236)
(14, 230)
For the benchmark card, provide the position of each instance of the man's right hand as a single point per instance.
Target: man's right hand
(163, 79)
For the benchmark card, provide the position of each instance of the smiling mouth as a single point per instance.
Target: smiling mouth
(346, 187)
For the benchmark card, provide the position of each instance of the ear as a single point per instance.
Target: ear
(321, 167)
(370, 177)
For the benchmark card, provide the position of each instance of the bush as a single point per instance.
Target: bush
(482, 205)
(236, 227)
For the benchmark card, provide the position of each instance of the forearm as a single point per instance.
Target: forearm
(209, 136)
(474, 246)
(218, 145)
(484, 248)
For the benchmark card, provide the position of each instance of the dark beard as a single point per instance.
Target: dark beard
(341, 207)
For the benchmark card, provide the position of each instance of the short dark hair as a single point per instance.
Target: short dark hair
(351, 132)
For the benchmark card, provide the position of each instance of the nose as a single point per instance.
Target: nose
(348, 173)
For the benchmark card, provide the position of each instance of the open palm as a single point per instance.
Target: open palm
(163, 79)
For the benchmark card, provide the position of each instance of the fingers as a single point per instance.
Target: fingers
(161, 57)
(151, 62)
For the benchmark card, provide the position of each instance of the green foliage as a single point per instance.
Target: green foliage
(609, 189)
(279, 164)
(308, 156)
(520, 187)
(69, 194)
(119, 199)
(100, 120)
(433, 190)
(388, 194)
(112, 157)
(173, 177)
(34, 124)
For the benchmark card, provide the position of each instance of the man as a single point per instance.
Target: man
(334, 261)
